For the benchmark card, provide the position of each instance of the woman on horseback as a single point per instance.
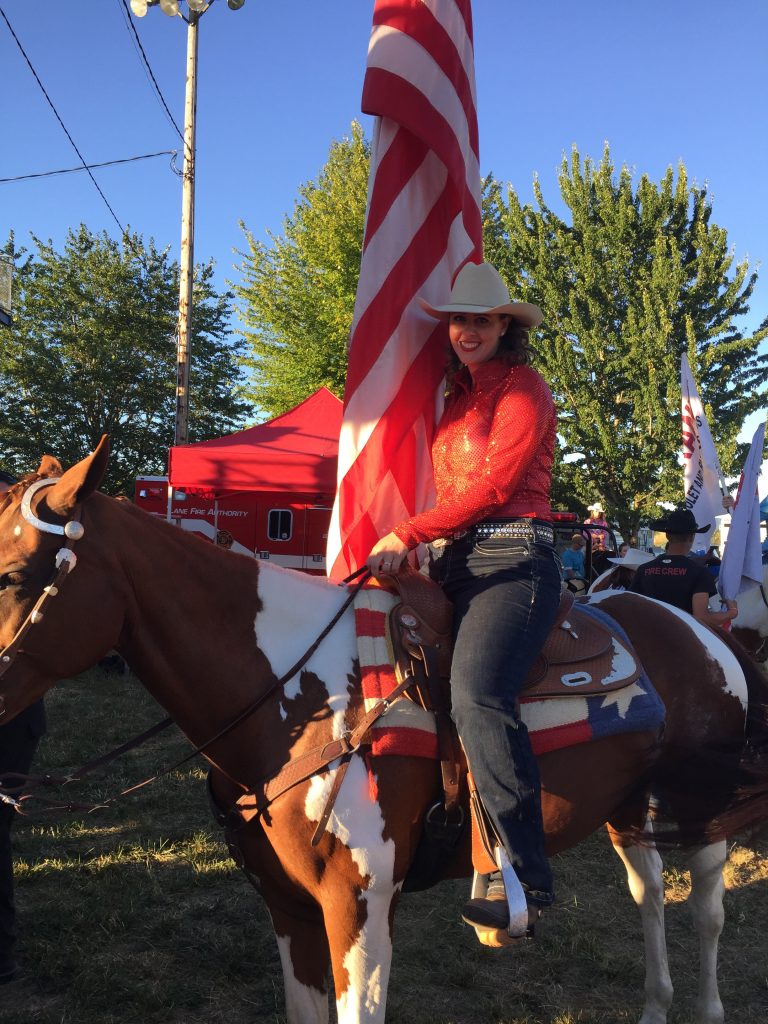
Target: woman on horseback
(492, 549)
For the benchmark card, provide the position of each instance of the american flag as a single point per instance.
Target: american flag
(423, 223)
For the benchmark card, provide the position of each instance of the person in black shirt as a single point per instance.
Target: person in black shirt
(677, 579)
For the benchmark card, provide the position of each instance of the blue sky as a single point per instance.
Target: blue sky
(660, 81)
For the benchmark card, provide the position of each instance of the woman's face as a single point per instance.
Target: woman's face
(475, 336)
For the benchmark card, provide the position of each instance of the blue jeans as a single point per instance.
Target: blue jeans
(505, 594)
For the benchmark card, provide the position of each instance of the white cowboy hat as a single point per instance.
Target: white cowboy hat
(633, 558)
(597, 507)
(478, 288)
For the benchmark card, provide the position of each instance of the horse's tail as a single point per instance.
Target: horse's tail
(734, 777)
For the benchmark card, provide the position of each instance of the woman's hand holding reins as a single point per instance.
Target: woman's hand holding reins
(386, 556)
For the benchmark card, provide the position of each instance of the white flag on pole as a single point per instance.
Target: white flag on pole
(742, 566)
(702, 477)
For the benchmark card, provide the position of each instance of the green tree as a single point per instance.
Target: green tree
(92, 350)
(298, 290)
(629, 280)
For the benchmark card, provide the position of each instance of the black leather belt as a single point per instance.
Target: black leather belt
(513, 529)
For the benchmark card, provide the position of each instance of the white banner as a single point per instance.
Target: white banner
(742, 566)
(702, 477)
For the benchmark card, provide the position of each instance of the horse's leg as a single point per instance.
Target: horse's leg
(359, 900)
(361, 955)
(706, 902)
(298, 924)
(646, 884)
(304, 957)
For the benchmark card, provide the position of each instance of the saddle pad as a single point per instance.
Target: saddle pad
(553, 722)
(406, 728)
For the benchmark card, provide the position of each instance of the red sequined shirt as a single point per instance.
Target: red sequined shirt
(492, 453)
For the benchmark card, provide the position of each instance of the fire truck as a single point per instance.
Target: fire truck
(273, 526)
(266, 491)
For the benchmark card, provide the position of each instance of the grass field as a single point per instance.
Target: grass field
(135, 914)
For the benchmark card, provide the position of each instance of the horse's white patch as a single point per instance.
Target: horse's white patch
(357, 821)
(735, 683)
(296, 609)
(622, 664)
(367, 964)
(303, 1004)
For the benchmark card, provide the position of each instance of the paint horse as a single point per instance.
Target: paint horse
(750, 627)
(212, 634)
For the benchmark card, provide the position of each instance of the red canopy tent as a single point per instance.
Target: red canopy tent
(295, 453)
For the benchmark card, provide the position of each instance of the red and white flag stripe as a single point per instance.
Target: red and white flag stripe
(423, 223)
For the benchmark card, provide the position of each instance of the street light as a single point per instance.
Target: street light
(197, 9)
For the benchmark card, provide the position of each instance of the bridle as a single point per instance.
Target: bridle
(65, 561)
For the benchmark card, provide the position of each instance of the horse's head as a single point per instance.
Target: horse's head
(48, 608)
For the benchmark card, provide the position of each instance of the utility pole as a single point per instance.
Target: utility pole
(187, 257)
(197, 9)
(6, 289)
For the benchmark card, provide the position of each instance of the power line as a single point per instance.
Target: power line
(87, 167)
(58, 118)
(147, 67)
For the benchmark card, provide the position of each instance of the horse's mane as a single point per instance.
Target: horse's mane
(217, 559)
(16, 491)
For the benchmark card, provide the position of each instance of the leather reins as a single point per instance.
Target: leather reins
(65, 562)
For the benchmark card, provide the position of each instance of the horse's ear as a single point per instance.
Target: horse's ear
(49, 466)
(80, 482)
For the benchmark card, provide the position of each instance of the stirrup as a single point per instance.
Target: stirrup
(507, 930)
(516, 901)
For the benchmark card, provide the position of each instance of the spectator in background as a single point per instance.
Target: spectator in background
(573, 559)
(623, 569)
(623, 549)
(18, 742)
(597, 518)
(676, 578)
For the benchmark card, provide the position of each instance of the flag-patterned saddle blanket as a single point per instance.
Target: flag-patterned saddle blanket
(586, 683)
